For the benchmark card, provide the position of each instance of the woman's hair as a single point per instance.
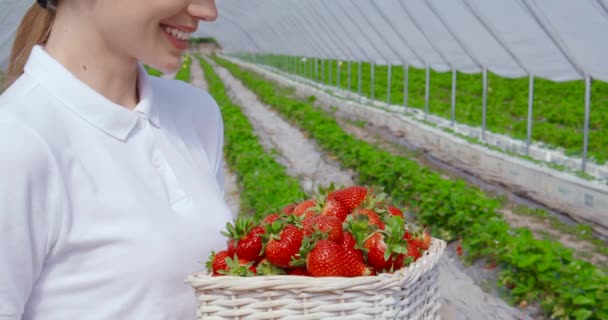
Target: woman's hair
(34, 29)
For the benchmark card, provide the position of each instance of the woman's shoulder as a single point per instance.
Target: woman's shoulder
(22, 147)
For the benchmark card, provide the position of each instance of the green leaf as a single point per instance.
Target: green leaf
(582, 314)
(584, 301)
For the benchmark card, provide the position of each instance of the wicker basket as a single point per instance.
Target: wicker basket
(410, 293)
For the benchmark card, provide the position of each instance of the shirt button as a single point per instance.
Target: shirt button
(141, 122)
(156, 161)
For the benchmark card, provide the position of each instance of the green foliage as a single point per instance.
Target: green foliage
(535, 270)
(558, 106)
(183, 73)
(265, 187)
(153, 72)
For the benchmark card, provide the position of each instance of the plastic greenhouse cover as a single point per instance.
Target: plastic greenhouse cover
(558, 39)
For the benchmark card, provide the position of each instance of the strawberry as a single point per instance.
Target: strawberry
(217, 262)
(376, 252)
(288, 209)
(239, 267)
(303, 207)
(271, 218)
(333, 208)
(372, 216)
(283, 244)
(329, 224)
(413, 250)
(298, 272)
(328, 259)
(384, 250)
(349, 197)
(245, 238)
(265, 268)
(426, 240)
(459, 251)
(420, 237)
(349, 244)
(394, 211)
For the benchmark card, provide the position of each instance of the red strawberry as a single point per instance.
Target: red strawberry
(288, 209)
(349, 245)
(245, 238)
(328, 259)
(394, 211)
(239, 267)
(407, 235)
(217, 262)
(413, 250)
(426, 240)
(298, 272)
(459, 250)
(374, 218)
(284, 245)
(271, 218)
(376, 253)
(335, 209)
(331, 225)
(303, 207)
(349, 197)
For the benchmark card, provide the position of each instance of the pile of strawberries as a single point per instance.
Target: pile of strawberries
(349, 232)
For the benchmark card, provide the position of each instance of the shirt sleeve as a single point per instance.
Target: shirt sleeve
(219, 170)
(31, 200)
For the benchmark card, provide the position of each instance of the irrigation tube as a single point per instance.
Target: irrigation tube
(454, 79)
(484, 103)
(530, 113)
(427, 89)
(388, 89)
(587, 111)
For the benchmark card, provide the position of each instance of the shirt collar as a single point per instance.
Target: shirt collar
(87, 103)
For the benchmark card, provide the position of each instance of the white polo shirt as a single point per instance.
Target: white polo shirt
(105, 211)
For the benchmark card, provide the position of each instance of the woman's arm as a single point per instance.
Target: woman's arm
(32, 200)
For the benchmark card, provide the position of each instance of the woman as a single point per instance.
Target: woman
(111, 186)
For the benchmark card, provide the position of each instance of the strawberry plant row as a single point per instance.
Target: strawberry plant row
(183, 73)
(534, 270)
(558, 106)
(264, 184)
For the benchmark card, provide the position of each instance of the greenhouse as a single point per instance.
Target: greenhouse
(478, 126)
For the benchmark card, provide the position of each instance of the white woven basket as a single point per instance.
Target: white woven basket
(410, 293)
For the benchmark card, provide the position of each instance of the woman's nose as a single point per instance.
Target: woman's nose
(203, 10)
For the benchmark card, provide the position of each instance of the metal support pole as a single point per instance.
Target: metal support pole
(484, 103)
(322, 71)
(330, 73)
(530, 113)
(338, 74)
(349, 75)
(586, 128)
(406, 83)
(316, 70)
(388, 85)
(311, 68)
(359, 83)
(373, 82)
(427, 91)
(453, 97)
